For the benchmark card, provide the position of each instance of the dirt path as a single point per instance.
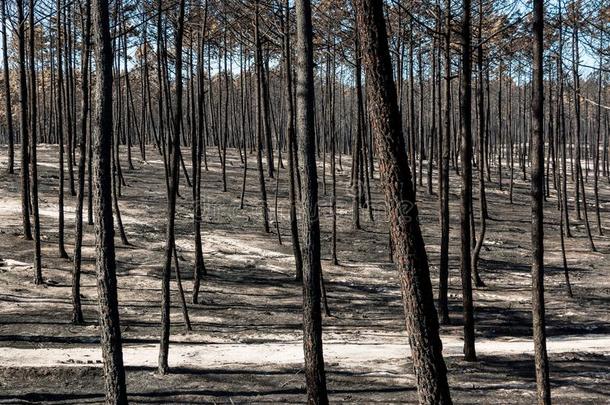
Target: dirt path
(344, 355)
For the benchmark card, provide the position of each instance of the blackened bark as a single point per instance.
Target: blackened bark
(33, 141)
(116, 184)
(114, 373)
(294, 227)
(357, 144)
(466, 193)
(410, 252)
(579, 183)
(174, 175)
(312, 269)
(266, 108)
(596, 144)
(333, 169)
(260, 119)
(23, 123)
(538, 311)
(481, 162)
(7, 96)
(60, 130)
(198, 141)
(77, 313)
(445, 146)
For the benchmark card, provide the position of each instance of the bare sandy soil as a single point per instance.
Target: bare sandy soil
(246, 344)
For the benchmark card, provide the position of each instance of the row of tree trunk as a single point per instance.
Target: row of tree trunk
(305, 129)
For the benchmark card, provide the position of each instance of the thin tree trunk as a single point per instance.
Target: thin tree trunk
(312, 318)
(198, 140)
(541, 360)
(60, 129)
(7, 96)
(23, 124)
(174, 176)
(481, 163)
(466, 194)
(33, 141)
(357, 143)
(580, 184)
(185, 312)
(598, 135)
(114, 373)
(445, 146)
(260, 118)
(77, 313)
(292, 168)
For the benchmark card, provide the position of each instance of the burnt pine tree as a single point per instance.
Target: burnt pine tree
(312, 269)
(409, 249)
(197, 150)
(444, 151)
(105, 265)
(77, 313)
(260, 117)
(481, 129)
(7, 96)
(537, 189)
(33, 163)
(466, 193)
(294, 228)
(174, 175)
(60, 131)
(23, 120)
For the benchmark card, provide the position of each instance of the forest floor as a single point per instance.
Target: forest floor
(246, 346)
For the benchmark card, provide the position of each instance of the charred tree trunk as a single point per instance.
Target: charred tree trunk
(466, 194)
(481, 163)
(357, 143)
(198, 140)
(114, 373)
(445, 145)
(174, 176)
(23, 123)
(260, 118)
(77, 313)
(60, 129)
(410, 252)
(7, 96)
(305, 126)
(33, 140)
(580, 183)
(541, 360)
(294, 227)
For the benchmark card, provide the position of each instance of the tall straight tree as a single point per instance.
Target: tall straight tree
(542, 364)
(481, 128)
(312, 268)
(105, 265)
(77, 313)
(357, 142)
(7, 96)
(33, 141)
(466, 194)
(197, 151)
(23, 122)
(294, 228)
(409, 249)
(444, 151)
(579, 181)
(260, 117)
(60, 129)
(172, 192)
